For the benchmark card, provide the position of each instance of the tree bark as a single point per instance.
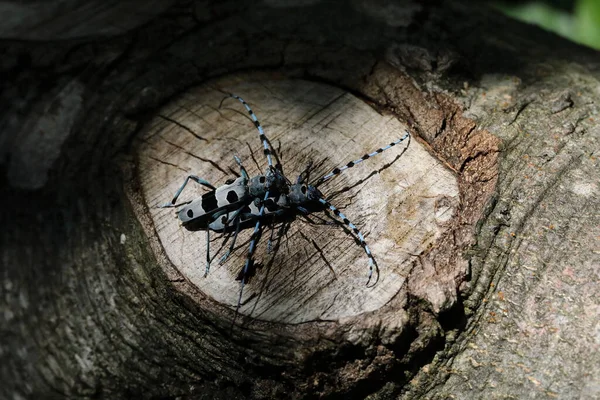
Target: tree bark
(485, 224)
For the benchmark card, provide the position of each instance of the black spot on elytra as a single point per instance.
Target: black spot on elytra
(190, 214)
(232, 197)
(303, 189)
(209, 202)
(262, 179)
(365, 156)
(350, 164)
(336, 171)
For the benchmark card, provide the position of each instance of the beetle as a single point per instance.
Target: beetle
(263, 200)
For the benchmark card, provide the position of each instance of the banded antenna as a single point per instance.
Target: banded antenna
(339, 170)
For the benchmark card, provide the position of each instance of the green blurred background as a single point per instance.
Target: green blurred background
(577, 20)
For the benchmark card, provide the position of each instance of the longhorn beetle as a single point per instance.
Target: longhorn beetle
(260, 200)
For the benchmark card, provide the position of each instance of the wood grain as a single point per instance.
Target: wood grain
(400, 199)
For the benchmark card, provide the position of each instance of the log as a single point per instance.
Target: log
(484, 224)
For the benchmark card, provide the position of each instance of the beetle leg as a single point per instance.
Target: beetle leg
(207, 252)
(193, 178)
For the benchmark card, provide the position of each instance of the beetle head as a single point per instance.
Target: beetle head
(302, 194)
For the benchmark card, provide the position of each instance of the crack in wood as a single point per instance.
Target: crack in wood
(168, 163)
(187, 129)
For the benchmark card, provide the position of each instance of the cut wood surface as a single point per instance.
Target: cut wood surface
(401, 199)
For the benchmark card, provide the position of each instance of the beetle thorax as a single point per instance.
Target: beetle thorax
(302, 194)
(273, 181)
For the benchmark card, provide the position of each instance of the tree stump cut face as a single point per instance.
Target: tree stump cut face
(401, 200)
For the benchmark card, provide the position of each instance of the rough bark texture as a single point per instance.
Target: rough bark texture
(501, 302)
